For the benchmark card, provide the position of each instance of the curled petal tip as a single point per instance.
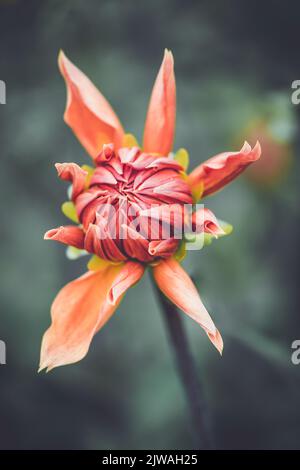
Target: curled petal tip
(73, 173)
(59, 167)
(68, 167)
(205, 221)
(255, 151)
(215, 229)
(68, 235)
(50, 234)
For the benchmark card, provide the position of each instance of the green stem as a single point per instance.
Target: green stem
(188, 372)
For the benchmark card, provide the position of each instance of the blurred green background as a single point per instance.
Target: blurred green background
(235, 62)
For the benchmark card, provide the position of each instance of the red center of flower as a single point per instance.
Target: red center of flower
(119, 211)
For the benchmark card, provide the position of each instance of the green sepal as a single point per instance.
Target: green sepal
(181, 252)
(73, 253)
(182, 157)
(69, 210)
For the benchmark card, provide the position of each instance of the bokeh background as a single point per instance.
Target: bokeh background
(235, 62)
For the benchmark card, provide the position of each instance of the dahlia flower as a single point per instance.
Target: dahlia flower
(131, 180)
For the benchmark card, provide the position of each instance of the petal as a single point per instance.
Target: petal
(163, 248)
(203, 220)
(160, 121)
(130, 275)
(223, 168)
(127, 155)
(73, 173)
(89, 115)
(78, 311)
(87, 197)
(177, 286)
(226, 228)
(135, 244)
(106, 154)
(167, 214)
(69, 235)
(103, 176)
(98, 241)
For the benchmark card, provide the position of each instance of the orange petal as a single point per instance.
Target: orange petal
(130, 275)
(223, 168)
(89, 115)
(69, 235)
(161, 116)
(78, 311)
(175, 283)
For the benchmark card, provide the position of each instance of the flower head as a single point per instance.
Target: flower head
(128, 209)
(125, 184)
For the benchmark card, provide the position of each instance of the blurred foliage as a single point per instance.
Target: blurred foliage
(230, 56)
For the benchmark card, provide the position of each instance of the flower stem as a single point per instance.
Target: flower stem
(188, 372)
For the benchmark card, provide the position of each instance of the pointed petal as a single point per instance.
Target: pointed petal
(160, 121)
(78, 311)
(177, 286)
(73, 173)
(69, 235)
(223, 168)
(89, 115)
